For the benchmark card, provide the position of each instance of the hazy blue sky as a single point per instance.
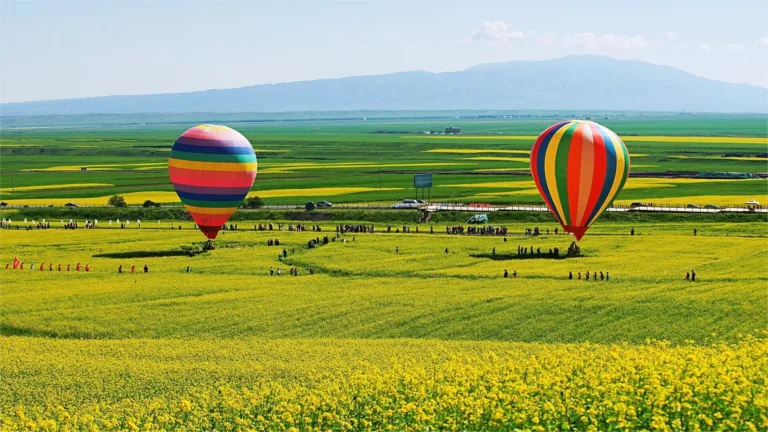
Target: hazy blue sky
(53, 50)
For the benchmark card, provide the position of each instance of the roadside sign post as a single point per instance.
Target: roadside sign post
(423, 181)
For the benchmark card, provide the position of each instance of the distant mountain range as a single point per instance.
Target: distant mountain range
(568, 83)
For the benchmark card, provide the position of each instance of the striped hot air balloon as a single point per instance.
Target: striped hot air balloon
(212, 169)
(579, 167)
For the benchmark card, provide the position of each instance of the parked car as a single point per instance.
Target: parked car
(711, 206)
(421, 201)
(324, 204)
(70, 204)
(692, 206)
(406, 204)
(637, 204)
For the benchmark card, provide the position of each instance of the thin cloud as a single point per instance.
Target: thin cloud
(763, 42)
(494, 33)
(670, 35)
(705, 47)
(589, 41)
(734, 47)
(682, 47)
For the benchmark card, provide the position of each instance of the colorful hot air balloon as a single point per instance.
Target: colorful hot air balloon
(579, 168)
(212, 169)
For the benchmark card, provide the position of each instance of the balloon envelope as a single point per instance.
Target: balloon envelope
(579, 167)
(212, 169)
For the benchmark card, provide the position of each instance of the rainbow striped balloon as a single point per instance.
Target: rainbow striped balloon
(212, 169)
(579, 168)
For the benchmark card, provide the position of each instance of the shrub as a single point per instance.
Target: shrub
(117, 201)
(253, 203)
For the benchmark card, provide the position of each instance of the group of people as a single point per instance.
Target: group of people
(475, 230)
(50, 267)
(359, 228)
(536, 232)
(603, 276)
(133, 269)
(526, 251)
(294, 271)
(275, 242)
(691, 276)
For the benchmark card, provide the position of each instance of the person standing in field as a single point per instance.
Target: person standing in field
(695, 232)
(278, 271)
(32, 266)
(607, 276)
(77, 268)
(514, 274)
(271, 271)
(693, 275)
(602, 276)
(506, 274)
(67, 267)
(87, 267)
(120, 269)
(587, 276)
(570, 276)
(687, 275)
(50, 267)
(133, 268)
(146, 269)
(397, 249)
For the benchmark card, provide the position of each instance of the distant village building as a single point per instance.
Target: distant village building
(453, 130)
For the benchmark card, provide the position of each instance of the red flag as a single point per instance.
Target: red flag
(16, 263)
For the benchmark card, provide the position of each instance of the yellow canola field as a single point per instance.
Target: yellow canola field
(472, 151)
(628, 138)
(135, 198)
(736, 158)
(446, 386)
(701, 200)
(289, 168)
(499, 158)
(632, 183)
(499, 151)
(315, 192)
(99, 167)
(56, 186)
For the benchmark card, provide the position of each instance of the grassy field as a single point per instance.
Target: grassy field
(349, 161)
(399, 331)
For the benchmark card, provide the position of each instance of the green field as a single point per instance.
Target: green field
(394, 331)
(347, 161)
